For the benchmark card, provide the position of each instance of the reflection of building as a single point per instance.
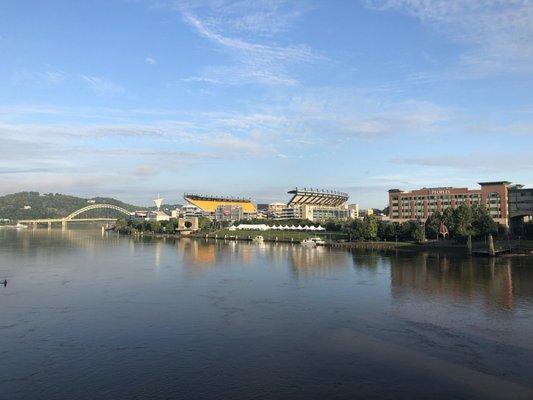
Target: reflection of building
(208, 204)
(316, 205)
(319, 261)
(228, 213)
(454, 277)
(419, 204)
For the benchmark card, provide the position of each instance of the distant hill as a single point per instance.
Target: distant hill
(32, 205)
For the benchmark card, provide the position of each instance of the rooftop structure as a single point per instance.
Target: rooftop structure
(158, 202)
(317, 197)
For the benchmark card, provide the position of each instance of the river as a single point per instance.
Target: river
(92, 316)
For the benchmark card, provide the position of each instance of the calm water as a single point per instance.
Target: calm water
(92, 317)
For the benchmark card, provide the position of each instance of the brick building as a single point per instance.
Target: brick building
(421, 203)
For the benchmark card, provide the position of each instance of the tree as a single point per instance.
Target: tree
(388, 230)
(358, 230)
(433, 224)
(462, 218)
(333, 225)
(448, 219)
(482, 222)
(412, 231)
(370, 227)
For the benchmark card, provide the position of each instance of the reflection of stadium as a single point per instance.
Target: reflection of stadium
(316, 205)
(208, 205)
(317, 262)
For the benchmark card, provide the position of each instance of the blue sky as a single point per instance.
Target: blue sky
(133, 98)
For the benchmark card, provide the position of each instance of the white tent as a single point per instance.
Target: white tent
(300, 228)
(311, 228)
(293, 228)
(285, 227)
(260, 227)
(319, 228)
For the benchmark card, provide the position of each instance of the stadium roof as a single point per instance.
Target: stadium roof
(317, 197)
(210, 203)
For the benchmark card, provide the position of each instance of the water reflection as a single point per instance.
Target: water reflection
(317, 262)
(459, 278)
(202, 255)
(225, 319)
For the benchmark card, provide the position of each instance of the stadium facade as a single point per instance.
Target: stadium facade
(316, 205)
(208, 205)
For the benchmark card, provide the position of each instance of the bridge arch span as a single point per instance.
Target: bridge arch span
(96, 207)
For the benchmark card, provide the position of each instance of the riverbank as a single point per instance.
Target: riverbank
(336, 240)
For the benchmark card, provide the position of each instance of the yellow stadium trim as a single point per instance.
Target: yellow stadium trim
(211, 205)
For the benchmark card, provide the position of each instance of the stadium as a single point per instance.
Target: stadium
(208, 205)
(316, 205)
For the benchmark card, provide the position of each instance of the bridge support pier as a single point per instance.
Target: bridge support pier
(49, 225)
(63, 224)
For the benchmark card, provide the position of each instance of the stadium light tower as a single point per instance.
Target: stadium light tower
(158, 202)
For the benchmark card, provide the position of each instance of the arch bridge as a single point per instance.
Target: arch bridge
(100, 212)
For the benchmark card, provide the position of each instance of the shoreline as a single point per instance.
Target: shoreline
(445, 247)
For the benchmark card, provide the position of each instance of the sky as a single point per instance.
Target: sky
(131, 98)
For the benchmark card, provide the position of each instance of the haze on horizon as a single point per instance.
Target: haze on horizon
(130, 98)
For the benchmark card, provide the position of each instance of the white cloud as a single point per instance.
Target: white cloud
(254, 60)
(150, 60)
(471, 162)
(95, 83)
(102, 86)
(38, 78)
(499, 32)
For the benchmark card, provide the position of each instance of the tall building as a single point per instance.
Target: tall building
(275, 210)
(353, 210)
(190, 211)
(421, 203)
(520, 203)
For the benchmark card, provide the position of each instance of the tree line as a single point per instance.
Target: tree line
(34, 205)
(136, 225)
(460, 222)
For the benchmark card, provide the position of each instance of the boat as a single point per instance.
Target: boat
(318, 241)
(18, 226)
(314, 241)
(258, 239)
(308, 242)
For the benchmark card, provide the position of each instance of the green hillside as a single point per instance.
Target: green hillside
(48, 205)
